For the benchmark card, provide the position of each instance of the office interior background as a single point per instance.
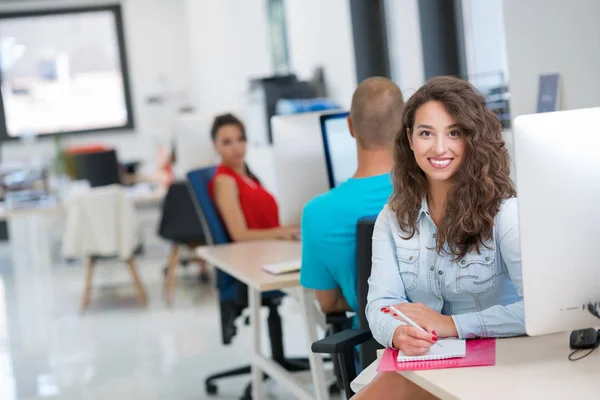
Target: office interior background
(157, 75)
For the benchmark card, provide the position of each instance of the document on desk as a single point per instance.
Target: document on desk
(451, 348)
(283, 267)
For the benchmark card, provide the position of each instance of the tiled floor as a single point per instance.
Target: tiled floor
(118, 350)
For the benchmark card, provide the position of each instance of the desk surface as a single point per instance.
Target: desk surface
(140, 198)
(245, 260)
(526, 368)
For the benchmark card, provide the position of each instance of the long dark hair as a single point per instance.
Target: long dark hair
(483, 179)
(230, 119)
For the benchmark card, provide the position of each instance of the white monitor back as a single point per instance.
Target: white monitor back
(260, 160)
(300, 168)
(340, 146)
(558, 186)
(193, 145)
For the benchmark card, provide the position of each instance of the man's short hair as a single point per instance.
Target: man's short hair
(375, 113)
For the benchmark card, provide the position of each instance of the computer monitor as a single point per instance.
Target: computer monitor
(558, 186)
(100, 168)
(299, 163)
(193, 145)
(340, 148)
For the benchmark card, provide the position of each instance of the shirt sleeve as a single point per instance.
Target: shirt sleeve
(314, 273)
(385, 284)
(500, 321)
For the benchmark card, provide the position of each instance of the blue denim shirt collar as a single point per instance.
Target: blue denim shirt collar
(424, 210)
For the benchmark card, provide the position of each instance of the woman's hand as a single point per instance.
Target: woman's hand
(288, 233)
(412, 341)
(438, 324)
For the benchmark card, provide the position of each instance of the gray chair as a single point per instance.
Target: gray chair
(341, 345)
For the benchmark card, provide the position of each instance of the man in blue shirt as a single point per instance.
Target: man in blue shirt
(329, 220)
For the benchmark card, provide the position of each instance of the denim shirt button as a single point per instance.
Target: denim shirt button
(440, 272)
(487, 259)
(463, 262)
(410, 258)
(432, 268)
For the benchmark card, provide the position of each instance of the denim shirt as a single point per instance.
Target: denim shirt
(482, 292)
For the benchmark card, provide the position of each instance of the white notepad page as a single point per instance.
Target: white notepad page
(283, 267)
(450, 348)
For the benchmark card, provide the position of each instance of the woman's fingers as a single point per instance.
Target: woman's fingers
(415, 317)
(419, 343)
(414, 351)
(414, 342)
(417, 334)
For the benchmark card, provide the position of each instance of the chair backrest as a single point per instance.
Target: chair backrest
(212, 225)
(214, 229)
(364, 245)
(180, 221)
(100, 168)
(100, 222)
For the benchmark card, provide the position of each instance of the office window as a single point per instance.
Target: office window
(278, 36)
(63, 71)
(485, 48)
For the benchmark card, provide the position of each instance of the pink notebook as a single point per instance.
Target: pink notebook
(480, 352)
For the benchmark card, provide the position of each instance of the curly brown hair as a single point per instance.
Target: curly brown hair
(482, 181)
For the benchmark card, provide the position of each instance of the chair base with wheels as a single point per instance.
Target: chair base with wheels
(276, 340)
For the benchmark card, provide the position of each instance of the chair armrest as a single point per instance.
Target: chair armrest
(341, 341)
(336, 318)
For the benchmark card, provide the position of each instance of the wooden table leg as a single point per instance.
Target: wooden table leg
(139, 288)
(171, 280)
(254, 302)
(317, 369)
(87, 290)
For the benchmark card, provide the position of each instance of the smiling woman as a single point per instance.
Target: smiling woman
(451, 143)
(439, 147)
(446, 248)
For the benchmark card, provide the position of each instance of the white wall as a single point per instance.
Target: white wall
(205, 52)
(553, 36)
(157, 52)
(320, 34)
(404, 45)
(229, 45)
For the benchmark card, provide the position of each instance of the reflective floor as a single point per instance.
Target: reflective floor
(118, 350)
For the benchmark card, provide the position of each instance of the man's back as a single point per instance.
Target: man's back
(329, 233)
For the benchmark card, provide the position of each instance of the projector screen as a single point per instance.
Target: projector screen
(63, 71)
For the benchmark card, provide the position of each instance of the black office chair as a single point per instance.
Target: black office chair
(99, 168)
(341, 345)
(233, 295)
(181, 225)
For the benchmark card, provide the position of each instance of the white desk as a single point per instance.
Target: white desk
(140, 198)
(30, 227)
(526, 368)
(244, 261)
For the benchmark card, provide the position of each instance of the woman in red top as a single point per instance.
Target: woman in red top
(247, 209)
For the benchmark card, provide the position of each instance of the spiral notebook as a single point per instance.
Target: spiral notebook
(450, 348)
(480, 352)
